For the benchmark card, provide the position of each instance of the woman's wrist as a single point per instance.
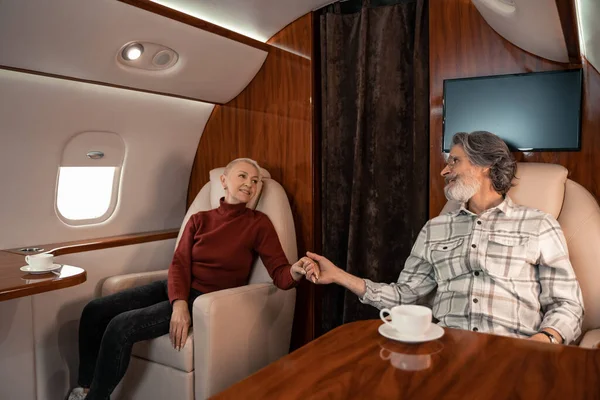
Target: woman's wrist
(180, 303)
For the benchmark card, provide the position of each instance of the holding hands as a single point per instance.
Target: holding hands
(316, 269)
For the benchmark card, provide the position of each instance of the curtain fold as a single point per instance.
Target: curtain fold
(375, 144)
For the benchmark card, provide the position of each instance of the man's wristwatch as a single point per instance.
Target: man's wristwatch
(550, 336)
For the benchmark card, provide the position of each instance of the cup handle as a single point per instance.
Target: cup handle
(27, 259)
(385, 310)
(389, 354)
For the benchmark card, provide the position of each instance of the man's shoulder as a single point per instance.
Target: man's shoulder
(529, 213)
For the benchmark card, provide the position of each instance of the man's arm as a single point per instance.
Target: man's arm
(560, 297)
(415, 281)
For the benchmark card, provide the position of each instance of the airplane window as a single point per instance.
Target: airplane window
(85, 194)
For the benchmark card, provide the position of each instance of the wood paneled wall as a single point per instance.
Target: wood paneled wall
(271, 122)
(462, 44)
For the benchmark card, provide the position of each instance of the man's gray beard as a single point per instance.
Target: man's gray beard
(462, 191)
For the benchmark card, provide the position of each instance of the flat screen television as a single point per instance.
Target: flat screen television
(536, 111)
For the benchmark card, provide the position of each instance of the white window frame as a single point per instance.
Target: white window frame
(77, 153)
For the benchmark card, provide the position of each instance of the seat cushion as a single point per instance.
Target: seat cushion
(161, 351)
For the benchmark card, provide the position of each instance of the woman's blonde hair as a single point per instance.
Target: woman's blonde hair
(246, 160)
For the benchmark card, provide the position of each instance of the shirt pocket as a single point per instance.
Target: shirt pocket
(506, 256)
(448, 259)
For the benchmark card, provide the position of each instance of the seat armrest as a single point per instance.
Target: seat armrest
(118, 283)
(591, 339)
(238, 331)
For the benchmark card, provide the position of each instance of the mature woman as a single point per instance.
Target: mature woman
(216, 252)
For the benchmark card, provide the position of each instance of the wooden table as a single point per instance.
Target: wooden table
(14, 283)
(355, 362)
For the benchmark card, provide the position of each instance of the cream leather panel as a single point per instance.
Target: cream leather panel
(146, 380)
(161, 350)
(540, 186)
(591, 339)
(232, 330)
(580, 220)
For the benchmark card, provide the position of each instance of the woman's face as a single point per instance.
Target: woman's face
(240, 183)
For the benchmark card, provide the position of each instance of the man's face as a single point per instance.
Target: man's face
(463, 179)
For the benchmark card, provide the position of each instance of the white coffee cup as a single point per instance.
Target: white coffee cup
(408, 320)
(40, 262)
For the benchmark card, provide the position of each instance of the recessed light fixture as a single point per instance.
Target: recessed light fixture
(132, 51)
(146, 55)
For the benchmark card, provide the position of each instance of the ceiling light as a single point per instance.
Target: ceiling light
(132, 51)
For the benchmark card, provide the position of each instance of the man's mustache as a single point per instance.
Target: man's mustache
(448, 178)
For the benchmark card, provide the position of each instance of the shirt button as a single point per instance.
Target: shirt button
(475, 300)
(473, 246)
(478, 222)
(475, 329)
(476, 273)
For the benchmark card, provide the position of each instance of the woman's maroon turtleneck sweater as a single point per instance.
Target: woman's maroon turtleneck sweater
(218, 247)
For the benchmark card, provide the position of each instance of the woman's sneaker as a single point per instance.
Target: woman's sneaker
(77, 394)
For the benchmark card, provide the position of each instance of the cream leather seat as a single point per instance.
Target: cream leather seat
(235, 331)
(546, 187)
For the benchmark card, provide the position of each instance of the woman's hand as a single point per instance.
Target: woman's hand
(305, 267)
(180, 324)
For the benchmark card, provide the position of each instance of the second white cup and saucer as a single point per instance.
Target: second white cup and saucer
(409, 324)
(40, 264)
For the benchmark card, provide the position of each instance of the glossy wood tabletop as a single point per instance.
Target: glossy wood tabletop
(355, 362)
(15, 283)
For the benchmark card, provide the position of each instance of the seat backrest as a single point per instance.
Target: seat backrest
(546, 188)
(270, 199)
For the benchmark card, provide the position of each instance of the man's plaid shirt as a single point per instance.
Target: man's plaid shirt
(506, 271)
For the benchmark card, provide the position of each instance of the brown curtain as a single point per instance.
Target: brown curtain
(375, 143)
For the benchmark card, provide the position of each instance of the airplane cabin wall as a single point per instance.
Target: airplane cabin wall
(38, 336)
(40, 114)
(462, 44)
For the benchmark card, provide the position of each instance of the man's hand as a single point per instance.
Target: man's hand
(180, 324)
(329, 271)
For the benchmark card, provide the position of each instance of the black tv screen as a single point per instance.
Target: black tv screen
(531, 112)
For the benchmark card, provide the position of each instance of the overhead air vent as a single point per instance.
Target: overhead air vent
(148, 56)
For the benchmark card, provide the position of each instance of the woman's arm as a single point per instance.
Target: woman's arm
(180, 270)
(269, 249)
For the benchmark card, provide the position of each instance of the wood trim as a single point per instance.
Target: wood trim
(187, 19)
(70, 78)
(15, 284)
(568, 21)
(80, 246)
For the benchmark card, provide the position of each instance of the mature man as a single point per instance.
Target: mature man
(497, 266)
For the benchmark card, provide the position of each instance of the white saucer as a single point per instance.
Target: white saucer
(434, 332)
(28, 269)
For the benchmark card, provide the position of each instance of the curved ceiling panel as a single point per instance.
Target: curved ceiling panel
(588, 12)
(258, 19)
(81, 39)
(533, 25)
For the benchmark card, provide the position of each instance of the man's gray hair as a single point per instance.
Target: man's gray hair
(246, 160)
(485, 149)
